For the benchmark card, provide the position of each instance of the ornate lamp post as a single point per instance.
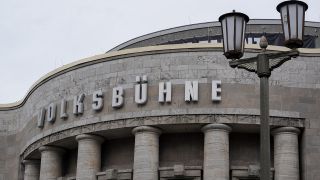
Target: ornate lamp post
(233, 30)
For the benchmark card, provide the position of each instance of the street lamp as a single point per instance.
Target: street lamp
(292, 19)
(233, 29)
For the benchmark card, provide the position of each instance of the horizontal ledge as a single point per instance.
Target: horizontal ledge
(155, 121)
(185, 167)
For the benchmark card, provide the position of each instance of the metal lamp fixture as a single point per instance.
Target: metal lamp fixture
(233, 30)
(293, 17)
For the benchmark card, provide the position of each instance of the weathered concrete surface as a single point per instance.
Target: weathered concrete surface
(118, 154)
(181, 148)
(216, 152)
(89, 156)
(51, 162)
(146, 153)
(286, 153)
(31, 169)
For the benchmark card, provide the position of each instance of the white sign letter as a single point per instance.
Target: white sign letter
(41, 117)
(63, 111)
(165, 92)
(51, 113)
(216, 90)
(78, 104)
(141, 90)
(117, 97)
(191, 91)
(97, 100)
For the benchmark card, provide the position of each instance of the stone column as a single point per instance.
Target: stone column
(216, 152)
(146, 153)
(286, 153)
(89, 156)
(51, 162)
(31, 169)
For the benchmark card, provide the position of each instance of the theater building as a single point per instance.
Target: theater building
(167, 106)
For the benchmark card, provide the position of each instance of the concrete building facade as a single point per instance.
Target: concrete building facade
(161, 108)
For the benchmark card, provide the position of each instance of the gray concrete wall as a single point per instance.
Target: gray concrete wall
(244, 149)
(182, 148)
(3, 149)
(70, 163)
(294, 92)
(118, 154)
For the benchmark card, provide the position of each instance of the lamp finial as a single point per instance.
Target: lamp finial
(263, 43)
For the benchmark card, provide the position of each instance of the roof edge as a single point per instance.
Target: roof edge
(198, 26)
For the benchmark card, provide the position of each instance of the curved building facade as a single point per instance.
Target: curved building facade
(166, 106)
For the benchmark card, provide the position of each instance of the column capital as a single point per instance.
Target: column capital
(31, 161)
(52, 148)
(285, 130)
(222, 127)
(80, 137)
(146, 129)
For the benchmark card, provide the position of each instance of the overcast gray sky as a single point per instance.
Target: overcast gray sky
(37, 36)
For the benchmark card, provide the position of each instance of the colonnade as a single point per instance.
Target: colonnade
(146, 155)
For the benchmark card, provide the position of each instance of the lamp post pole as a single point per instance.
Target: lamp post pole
(264, 73)
(264, 129)
(233, 26)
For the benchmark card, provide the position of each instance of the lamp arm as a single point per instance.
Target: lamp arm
(277, 62)
(237, 62)
(292, 53)
(249, 67)
(277, 59)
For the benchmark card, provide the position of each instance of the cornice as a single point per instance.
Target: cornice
(110, 56)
